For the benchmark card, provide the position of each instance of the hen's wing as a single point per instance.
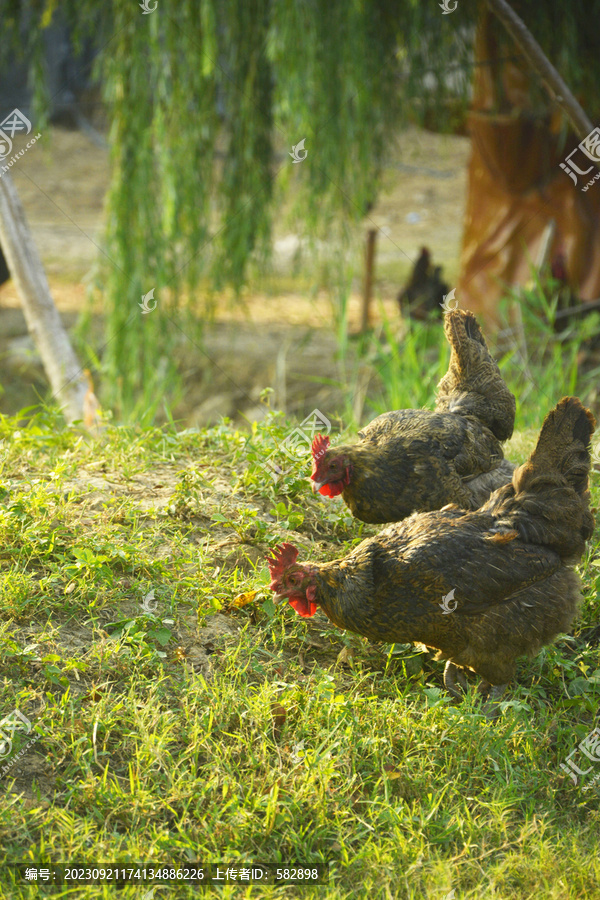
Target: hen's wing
(435, 553)
(419, 434)
(405, 425)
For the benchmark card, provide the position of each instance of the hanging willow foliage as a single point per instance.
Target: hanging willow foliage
(164, 127)
(205, 99)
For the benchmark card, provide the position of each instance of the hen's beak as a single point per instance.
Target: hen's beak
(279, 598)
(317, 485)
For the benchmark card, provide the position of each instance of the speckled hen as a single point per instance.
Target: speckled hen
(507, 564)
(417, 460)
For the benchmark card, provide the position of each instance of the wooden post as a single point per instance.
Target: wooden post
(62, 367)
(368, 286)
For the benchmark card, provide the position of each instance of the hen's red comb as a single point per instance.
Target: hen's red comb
(319, 446)
(284, 555)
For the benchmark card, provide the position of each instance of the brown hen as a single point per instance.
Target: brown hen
(484, 587)
(417, 460)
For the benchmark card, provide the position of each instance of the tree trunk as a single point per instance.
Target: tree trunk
(518, 184)
(538, 61)
(66, 377)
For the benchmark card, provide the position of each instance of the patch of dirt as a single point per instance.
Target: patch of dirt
(152, 490)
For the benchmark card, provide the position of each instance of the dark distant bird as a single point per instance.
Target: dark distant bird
(558, 268)
(484, 587)
(424, 292)
(567, 297)
(421, 460)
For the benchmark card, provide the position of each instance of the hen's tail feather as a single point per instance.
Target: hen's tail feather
(473, 385)
(548, 500)
(563, 447)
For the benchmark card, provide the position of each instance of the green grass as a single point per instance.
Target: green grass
(401, 370)
(240, 733)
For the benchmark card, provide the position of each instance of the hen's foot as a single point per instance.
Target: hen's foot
(452, 674)
(490, 708)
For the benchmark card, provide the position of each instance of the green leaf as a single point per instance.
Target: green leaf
(162, 635)
(268, 607)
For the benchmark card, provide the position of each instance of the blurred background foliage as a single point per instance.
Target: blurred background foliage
(205, 99)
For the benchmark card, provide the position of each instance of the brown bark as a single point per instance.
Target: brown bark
(517, 187)
(538, 61)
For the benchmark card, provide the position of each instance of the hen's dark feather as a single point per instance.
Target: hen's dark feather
(419, 460)
(473, 385)
(507, 563)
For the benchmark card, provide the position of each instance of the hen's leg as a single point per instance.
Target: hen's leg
(490, 707)
(451, 674)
